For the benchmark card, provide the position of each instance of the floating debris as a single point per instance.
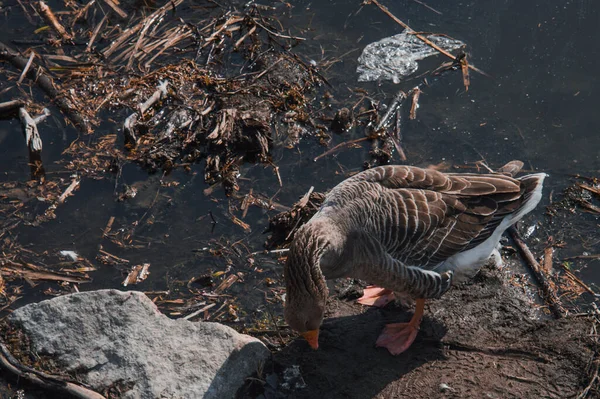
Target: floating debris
(395, 57)
(74, 256)
(137, 274)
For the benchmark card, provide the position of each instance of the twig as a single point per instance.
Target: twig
(419, 36)
(108, 227)
(340, 146)
(133, 30)
(415, 103)
(278, 34)
(68, 191)
(29, 61)
(398, 136)
(464, 67)
(9, 107)
(549, 292)
(130, 124)
(116, 8)
(428, 6)
(396, 103)
(95, 34)
(53, 21)
(585, 392)
(583, 285)
(46, 381)
(274, 251)
(241, 39)
(197, 312)
(593, 256)
(47, 85)
(113, 257)
(30, 131)
(34, 142)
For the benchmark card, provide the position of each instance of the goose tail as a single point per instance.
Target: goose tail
(532, 194)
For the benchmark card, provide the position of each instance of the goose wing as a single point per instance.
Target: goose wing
(423, 216)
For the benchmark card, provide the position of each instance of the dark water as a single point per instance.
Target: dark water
(538, 106)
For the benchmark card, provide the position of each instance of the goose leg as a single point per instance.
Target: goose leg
(376, 296)
(398, 337)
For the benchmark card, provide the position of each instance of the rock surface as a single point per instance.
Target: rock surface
(110, 337)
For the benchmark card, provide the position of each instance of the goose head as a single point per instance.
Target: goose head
(306, 290)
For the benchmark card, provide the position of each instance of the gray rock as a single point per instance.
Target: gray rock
(111, 336)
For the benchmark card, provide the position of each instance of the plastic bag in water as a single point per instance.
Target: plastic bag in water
(395, 57)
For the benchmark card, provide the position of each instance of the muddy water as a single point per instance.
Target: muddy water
(537, 106)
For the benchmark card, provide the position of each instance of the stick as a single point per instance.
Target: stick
(340, 146)
(30, 131)
(95, 34)
(53, 21)
(549, 292)
(197, 312)
(68, 191)
(131, 31)
(398, 137)
(108, 227)
(131, 121)
(9, 107)
(34, 142)
(396, 102)
(46, 381)
(415, 103)
(47, 85)
(116, 8)
(29, 61)
(584, 393)
(583, 285)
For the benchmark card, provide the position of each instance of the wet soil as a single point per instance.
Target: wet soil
(483, 339)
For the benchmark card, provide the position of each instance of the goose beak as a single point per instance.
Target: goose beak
(312, 337)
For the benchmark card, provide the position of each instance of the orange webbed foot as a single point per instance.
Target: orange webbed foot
(397, 337)
(376, 296)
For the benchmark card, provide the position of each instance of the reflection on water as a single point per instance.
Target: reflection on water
(537, 106)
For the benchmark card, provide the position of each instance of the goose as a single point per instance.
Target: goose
(404, 229)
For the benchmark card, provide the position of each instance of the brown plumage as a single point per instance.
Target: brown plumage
(404, 228)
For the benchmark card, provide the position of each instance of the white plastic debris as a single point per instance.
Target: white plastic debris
(445, 387)
(74, 256)
(395, 57)
(292, 378)
(530, 231)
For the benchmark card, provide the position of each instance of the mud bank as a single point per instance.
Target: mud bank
(483, 339)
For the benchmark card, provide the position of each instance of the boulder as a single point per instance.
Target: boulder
(115, 338)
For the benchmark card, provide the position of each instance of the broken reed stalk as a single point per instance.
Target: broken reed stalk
(133, 30)
(51, 19)
(549, 292)
(37, 75)
(34, 143)
(116, 8)
(130, 124)
(396, 103)
(29, 61)
(398, 136)
(394, 110)
(415, 103)
(46, 381)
